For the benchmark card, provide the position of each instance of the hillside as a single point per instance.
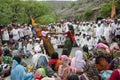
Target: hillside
(70, 8)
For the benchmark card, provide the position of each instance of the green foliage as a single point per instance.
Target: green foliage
(87, 14)
(46, 19)
(84, 15)
(79, 16)
(77, 7)
(105, 10)
(72, 4)
(117, 8)
(63, 7)
(19, 11)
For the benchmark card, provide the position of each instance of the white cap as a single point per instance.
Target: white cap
(37, 38)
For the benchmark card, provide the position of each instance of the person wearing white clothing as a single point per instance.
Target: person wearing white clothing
(15, 33)
(99, 31)
(37, 55)
(5, 34)
(59, 30)
(107, 32)
(54, 42)
(29, 45)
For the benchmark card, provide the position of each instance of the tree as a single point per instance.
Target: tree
(105, 10)
(19, 11)
(46, 19)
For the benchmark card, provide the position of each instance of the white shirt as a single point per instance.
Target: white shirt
(5, 35)
(15, 33)
(29, 47)
(44, 33)
(21, 31)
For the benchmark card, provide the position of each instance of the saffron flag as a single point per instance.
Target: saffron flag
(33, 21)
(113, 11)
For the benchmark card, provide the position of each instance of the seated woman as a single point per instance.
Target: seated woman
(78, 62)
(64, 68)
(53, 62)
(18, 71)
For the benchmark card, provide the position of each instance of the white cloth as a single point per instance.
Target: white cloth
(36, 57)
(98, 32)
(66, 29)
(77, 61)
(29, 47)
(21, 31)
(5, 35)
(15, 33)
(44, 33)
(54, 42)
(89, 44)
(37, 48)
(107, 31)
(83, 41)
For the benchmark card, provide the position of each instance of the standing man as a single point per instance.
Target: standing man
(5, 34)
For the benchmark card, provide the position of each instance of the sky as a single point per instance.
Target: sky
(56, 0)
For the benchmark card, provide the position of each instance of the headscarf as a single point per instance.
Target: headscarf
(101, 45)
(78, 55)
(77, 61)
(65, 60)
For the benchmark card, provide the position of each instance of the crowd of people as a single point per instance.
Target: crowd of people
(30, 52)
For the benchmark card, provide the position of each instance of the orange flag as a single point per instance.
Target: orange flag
(33, 21)
(113, 11)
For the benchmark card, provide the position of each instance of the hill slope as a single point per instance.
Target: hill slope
(70, 8)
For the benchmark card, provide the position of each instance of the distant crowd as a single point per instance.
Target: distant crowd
(25, 51)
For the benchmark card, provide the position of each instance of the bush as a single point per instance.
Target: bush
(79, 16)
(105, 10)
(76, 7)
(72, 4)
(46, 19)
(87, 14)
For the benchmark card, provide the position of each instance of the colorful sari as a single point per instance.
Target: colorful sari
(69, 42)
(48, 46)
(70, 39)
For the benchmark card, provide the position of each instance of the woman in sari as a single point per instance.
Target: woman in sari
(78, 62)
(64, 69)
(53, 62)
(69, 39)
(46, 42)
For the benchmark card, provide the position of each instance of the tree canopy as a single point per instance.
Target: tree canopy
(19, 11)
(105, 10)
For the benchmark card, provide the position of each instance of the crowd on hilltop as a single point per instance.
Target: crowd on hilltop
(97, 57)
